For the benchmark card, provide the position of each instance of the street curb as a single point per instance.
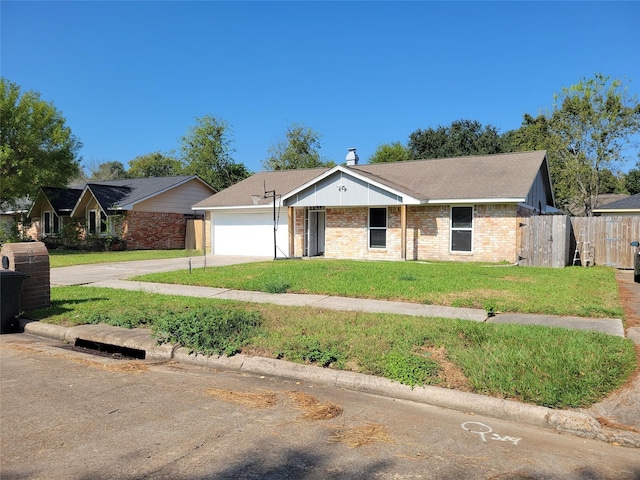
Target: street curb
(576, 423)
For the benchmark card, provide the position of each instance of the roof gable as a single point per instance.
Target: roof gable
(250, 191)
(62, 200)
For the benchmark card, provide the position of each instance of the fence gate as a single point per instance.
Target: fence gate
(612, 242)
(544, 241)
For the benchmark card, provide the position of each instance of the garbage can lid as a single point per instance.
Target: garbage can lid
(12, 273)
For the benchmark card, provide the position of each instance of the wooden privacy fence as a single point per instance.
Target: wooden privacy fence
(559, 240)
(193, 237)
(607, 238)
(543, 241)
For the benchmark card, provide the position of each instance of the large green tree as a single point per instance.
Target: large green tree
(299, 149)
(154, 165)
(632, 181)
(207, 150)
(390, 152)
(592, 125)
(37, 147)
(462, 137)
(595, 120)
(101, 171)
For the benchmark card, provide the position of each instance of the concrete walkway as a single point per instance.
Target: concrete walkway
(615, 420)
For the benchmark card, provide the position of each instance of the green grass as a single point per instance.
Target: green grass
(545, 366)
(67, 258)
(587, 292)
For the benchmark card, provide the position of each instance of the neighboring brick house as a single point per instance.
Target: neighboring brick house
(462, 209)
(147, 213)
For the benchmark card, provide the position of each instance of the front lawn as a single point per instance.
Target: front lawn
(545, 366)
(587, 292)
(67, 258)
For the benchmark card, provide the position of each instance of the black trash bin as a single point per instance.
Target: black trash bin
(10, 290)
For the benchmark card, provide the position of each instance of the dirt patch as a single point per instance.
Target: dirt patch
(314, 409)
(450, 375)
(476, 298)
(359, 436)
(247, 399)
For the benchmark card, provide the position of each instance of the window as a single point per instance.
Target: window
(92, 222)
(56, 223)
(47, 223)
(377, 228)
(461, 229)
(103, 222)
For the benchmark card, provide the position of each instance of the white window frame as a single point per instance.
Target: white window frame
(464, 229)
(386, 226)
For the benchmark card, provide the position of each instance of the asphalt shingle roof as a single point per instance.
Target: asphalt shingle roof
(118, 193)
(488, 176)
(630, 203)
(499, 176)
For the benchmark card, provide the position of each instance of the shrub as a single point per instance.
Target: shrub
(207, 330)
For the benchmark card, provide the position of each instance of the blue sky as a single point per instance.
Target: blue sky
(130, 77)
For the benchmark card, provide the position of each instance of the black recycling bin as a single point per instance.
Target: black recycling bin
(10, 289)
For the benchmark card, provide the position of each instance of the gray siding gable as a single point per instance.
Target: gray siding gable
(340, 189)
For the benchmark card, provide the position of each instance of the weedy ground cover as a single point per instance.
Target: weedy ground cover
(546, 366)
(575, 291)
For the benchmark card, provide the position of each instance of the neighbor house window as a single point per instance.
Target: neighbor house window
(461, 229)
(377, 228)
(56, 223)
(103, 222)
(47, 223)
(92, 222)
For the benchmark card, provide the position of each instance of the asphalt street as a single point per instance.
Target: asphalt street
(71, 415)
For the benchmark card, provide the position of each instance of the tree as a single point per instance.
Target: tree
(112, 170)
(462, 137)
(632, 182)
(37, 148)
(206, 151)
(390, 152)
(595, 121)
(609, 182)
(154, 165)
(299, 149)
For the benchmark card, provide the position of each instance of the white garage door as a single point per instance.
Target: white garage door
(249, 234)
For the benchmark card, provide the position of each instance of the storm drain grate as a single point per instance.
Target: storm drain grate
(106, 349)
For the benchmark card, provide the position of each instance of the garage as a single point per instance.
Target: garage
(249, 233)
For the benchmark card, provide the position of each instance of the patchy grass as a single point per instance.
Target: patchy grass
(553, 367)
(575, 291)
(67, 258)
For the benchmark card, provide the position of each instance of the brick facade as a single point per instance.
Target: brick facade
(495, 229)
(31, 258)
(155, 231)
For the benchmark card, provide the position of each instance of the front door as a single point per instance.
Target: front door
(314, 223)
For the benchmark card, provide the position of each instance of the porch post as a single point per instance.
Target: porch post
(292, 226)
(403, 232)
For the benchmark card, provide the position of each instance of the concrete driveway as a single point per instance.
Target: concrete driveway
(83, 274)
